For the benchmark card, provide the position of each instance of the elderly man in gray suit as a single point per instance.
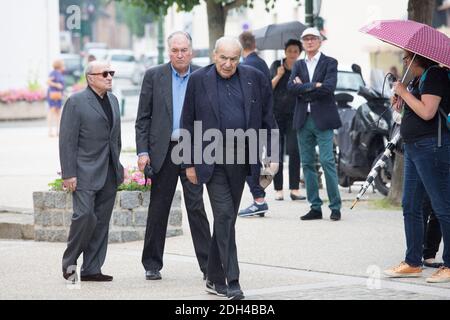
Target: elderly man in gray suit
(157, 134)
(89, 150)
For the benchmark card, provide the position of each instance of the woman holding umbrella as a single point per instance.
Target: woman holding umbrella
(427, 160)
(426, 137)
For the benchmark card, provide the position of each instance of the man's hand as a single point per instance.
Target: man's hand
(318, 84)
(297, 80)
(70, 184)
(274, 167)
(143, 161)
(191, 175)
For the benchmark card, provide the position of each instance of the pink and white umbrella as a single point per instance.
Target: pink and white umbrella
(412, 36)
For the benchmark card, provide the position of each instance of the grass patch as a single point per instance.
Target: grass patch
(383, 204)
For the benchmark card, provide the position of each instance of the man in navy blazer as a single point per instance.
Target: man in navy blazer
(313, 81)
(225, 96)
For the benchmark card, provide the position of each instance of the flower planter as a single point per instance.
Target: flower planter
(53, 213)
(23, 110)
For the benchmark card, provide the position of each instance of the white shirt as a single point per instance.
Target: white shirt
(311, 64)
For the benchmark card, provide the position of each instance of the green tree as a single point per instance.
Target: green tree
(217, 11)
(134, 17)
(421, 11)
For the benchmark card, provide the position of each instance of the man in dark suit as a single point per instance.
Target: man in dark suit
(251, 58)
(313, 81)
(157, 133)
(89, 150)
(221, 97)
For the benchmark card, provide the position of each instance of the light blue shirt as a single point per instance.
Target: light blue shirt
(179, 86)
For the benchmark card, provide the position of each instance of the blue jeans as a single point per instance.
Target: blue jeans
(308, 137)
(427, 167)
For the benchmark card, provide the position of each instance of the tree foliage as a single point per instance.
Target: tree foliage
(134, 17)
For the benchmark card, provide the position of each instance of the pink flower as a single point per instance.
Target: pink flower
(141, 182)
(137, 175)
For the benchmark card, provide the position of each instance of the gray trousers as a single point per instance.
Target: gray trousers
(90, 225)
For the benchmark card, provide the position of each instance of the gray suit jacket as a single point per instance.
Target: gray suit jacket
(86, 141)
(154, 121)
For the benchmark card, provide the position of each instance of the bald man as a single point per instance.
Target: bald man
(89, 150)
(223, 96)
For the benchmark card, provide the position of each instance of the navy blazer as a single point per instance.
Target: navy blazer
(253, 60)
(201, 104)
(323, 105)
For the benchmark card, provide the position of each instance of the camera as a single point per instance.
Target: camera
(148, 171)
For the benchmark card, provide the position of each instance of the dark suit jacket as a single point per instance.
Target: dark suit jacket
(86, 141)
(323, 105)
(253, 60)
(201, 104)
(154, 121)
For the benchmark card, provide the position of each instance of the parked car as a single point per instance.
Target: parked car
(123, 62)
(73, 68)
(97, 49)
(349, 81)
(144, 63)
(201, 57)
(65, 42)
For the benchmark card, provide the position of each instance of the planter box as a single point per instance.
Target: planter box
(53, 215)
(23, 110)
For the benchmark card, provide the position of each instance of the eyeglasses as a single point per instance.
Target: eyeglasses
(104, 74)
(306, 39)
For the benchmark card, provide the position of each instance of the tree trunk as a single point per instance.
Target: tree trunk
(421, 11)
(217, 17)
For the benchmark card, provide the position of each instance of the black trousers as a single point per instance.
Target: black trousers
(432, 232)
(288, 138)
(225, 192)
(164, 184)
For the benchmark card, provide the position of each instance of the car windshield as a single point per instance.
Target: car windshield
(122, 58)
(349, 81)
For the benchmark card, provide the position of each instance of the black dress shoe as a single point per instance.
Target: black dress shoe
(295, 197)
(99, 277)
(436, 265)
(312, 215)
(152, 275)
(234, 291)
(335, 215)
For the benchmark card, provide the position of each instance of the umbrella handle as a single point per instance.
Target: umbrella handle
(409, 67)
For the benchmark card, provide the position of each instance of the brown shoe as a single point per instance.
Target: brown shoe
(442, 275)
(403, 270)
(99, 277)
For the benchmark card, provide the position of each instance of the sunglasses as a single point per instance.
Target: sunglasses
(104, 74)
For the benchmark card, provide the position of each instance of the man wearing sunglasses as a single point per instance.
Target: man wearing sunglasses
(89, 150)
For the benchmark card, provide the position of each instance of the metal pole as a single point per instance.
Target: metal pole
(309, 16)
(161, 36)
